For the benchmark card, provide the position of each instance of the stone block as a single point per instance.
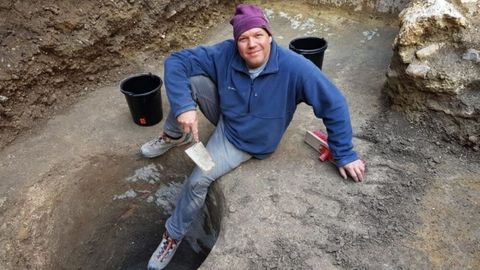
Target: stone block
(428, 51)
(418, 70)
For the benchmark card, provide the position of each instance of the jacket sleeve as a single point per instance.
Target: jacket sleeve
(329, 104)
(182, 65)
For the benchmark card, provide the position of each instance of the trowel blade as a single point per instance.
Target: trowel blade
(199, 154)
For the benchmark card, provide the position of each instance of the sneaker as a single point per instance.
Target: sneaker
(159, 146)
(164, 253)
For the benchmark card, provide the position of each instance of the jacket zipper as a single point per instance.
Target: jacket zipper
(250, 97)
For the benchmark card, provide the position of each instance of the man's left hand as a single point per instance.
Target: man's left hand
(355, 169)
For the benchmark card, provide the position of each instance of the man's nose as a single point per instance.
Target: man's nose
(251, 42)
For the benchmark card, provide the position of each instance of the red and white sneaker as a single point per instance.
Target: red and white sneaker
(164, 253)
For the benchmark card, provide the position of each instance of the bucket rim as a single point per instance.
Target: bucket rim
(122, 82)
(308, 51)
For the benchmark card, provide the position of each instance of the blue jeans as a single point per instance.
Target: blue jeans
(224, 154)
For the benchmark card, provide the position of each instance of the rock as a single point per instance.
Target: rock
(468, 1)
(421, 17)
(2, 201)
(472, 55)
(418, 70)
(22, 234)
(59, 80)
(171, 13)
(4, 76)
(51, 99)
(407, 54)
(3, 99)
(8, 113)
(473, 139)
(331, 248)
(54, 9)
(426, 52)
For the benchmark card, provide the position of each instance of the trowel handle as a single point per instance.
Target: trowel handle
(319, 140)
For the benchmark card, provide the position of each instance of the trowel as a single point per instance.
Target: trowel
(199, 154)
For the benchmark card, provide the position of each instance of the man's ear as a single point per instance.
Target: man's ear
(271, 38)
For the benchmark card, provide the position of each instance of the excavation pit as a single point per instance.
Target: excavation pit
(68, 200)
(112, 216)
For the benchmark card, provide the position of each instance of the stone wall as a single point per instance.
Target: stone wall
(384, 6)
(434, 75)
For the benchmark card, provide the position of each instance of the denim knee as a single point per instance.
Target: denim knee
(199, 187)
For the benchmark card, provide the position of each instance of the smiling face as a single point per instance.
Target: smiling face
(254, 46)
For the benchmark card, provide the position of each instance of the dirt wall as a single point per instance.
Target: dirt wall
(435, 70)
(55, 51)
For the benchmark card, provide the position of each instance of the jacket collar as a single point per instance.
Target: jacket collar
(271, 67)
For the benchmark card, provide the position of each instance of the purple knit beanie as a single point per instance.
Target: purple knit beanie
(246, 17)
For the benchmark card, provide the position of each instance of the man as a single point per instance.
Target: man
(249, 88)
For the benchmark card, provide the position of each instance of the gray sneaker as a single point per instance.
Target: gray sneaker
(159, 146)
(164, 253)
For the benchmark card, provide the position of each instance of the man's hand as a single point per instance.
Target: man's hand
(189, 122)
(356, 170)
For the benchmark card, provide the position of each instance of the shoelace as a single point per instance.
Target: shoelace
(160, 139)
(170, 245)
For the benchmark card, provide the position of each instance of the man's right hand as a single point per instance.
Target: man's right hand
(189, 122)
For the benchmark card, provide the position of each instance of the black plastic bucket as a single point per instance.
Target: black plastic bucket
(144, 99)
(313, 48)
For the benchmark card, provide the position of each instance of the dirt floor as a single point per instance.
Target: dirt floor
(75, 194)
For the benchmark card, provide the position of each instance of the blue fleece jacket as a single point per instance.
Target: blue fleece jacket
(257, 112)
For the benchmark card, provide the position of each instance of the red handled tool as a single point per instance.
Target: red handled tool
(318, 140)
